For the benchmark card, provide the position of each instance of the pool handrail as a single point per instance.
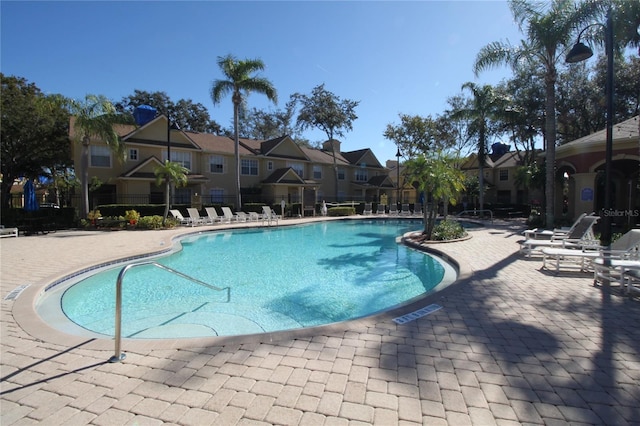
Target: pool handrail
(119, 356)
(475, 212)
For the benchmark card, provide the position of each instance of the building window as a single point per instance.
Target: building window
(217, 195)
(504, 197)
(341, 174)
(182, 196)
(269, 165)
(180, 157)
(504, 175)
(361, 175)
(133, 154)
(100, 156)
(249, 167)
(216, 164)
(317, 172)
(297, 167)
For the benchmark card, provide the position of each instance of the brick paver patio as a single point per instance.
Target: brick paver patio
(512, 344)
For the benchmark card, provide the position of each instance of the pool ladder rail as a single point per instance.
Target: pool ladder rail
(119, 356)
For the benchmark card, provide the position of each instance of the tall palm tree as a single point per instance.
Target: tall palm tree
(549, 30)
(170, 172)
(240, 80)
(95, 117)
(487, 105)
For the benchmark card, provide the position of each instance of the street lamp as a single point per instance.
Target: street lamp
(579, 53)
(398, 154)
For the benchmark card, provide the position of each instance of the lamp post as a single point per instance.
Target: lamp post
(398, 175)
(581, 52)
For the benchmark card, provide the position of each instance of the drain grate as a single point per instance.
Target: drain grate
(417, 314)
(16, 292)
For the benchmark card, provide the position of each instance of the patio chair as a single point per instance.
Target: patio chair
(381, 209)
(254, 217)
(242, 217)
(580, 236)
(417, 210)
(393, 209)
(8, 232)
(405, 210)
(212, 215)
(178, 216)
(625, 247)
(228, 215)
(368, 209)
(194, 217)
(546, 234)
(268, 215)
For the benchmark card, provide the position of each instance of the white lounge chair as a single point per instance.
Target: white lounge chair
(194, 217)
(268, 215)
(178, 216)
(228, 215)
(212, 215)
(393, 209)
(254, 217)
(405, 210)
(625, 247)
(368, 209)
(417, 210)
(242, 217)
(8, 232)
(547, 234)
(381, 209)
(580, 236)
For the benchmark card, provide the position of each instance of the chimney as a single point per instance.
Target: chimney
(326, 146)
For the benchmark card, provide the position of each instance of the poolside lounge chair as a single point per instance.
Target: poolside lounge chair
(368, 209)
(194, 217)
(381, 209)
(178, 216)
(625, 247)
(212, 215)
(405, 210)
(393, 209)
(228, 215)
(580, 236)
(254, 217)
(242, 217)
(8, 232)
(268, 215)
(546, 234)
(623, 271)
(417, 210)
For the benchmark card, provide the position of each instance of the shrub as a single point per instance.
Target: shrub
(154, 222)
(448, 230)
(341, 211)
(132, 216)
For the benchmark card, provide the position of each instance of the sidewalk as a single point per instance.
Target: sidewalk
(512, 344)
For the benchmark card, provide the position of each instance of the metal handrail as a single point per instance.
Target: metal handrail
(119, 356)
(475, 212)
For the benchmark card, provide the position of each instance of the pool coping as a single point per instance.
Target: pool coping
(25, 315)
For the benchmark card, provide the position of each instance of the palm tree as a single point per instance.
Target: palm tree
(549, 31)
(95, 117)
(439, 178)
(486, 105)
(170, 172)
(239, 81)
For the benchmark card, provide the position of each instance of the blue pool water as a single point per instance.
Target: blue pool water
(280, 278)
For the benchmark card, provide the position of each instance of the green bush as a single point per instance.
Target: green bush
(448, 230)
(154, 222)
(341, 211)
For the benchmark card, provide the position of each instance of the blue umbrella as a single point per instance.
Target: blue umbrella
(30, 202)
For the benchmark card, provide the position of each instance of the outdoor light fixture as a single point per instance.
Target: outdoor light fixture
(578, 53)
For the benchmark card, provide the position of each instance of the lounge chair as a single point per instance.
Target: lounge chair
(417, 210)
(178, 216)
(8, 232)
(254, 217)
(624, 271)
(242, 217)
(381, 209)
(547, 234)
(405, 210)
(269, 215)
(228, 215)
(625, 247)
(393, 209)
(368, 209)
(580, 236)
(212, 215)
(194, 217)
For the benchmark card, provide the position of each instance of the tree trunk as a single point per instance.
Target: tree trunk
(167, 200)
(550, 158)
(84, 210)
(236, 106)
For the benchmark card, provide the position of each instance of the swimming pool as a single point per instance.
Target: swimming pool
(279, 279)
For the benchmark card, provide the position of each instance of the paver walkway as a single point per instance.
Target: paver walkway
(511, 345)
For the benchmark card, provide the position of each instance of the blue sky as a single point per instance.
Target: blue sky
(393, 57)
